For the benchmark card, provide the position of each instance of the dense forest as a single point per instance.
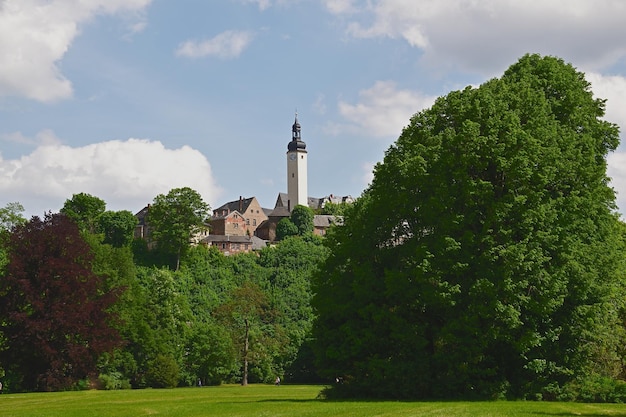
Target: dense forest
(486, 260)
(85, 304)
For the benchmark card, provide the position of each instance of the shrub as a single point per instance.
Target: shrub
(595, 389)
(113, 380)
(163, 372)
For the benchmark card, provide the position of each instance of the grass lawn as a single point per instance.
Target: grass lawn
(267, 400)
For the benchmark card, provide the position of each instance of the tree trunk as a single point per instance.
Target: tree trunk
(244, 381)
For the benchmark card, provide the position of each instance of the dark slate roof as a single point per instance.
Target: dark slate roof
(314, 202)
(279, 212)
(281, 200)
(226, 238)
(235, 205)
(326, 220)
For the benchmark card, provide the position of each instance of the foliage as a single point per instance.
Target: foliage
(10, 216)
(176, 218)
(302, 217)
(163, 372)
(285, 228)
(55, 309)
(211, 356)
(299, 223)
(114, 380)
(117, 227)
(250, 321)
(482, 260)
(289, 266)
(335, 209)
(85, 210)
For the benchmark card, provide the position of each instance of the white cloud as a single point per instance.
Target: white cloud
(488, 35)
(383, 110)
(617, 172)
(613, 89)
(126, 174)
(367, 170)
(229, 44)
(34, 37)
(340, 6)
(263, 4)
(45, 137)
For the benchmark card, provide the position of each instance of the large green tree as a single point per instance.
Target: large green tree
(84, 209)
(176, 218)
(251, 321)
(481, 260)
(11, 216)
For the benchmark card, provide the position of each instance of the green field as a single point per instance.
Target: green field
(266, 400)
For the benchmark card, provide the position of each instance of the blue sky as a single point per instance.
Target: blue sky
(127, 99)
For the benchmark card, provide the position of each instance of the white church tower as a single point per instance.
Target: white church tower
(297, 192)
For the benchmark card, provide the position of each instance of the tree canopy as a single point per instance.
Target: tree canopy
(84, 209)
(54, 309)
(481, 261)
(300, 223)
(175, 218)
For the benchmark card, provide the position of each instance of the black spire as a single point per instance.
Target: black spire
(296, 140)
(295, 129)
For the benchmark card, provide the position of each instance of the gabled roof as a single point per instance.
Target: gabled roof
(228, 214)
(279, 212)
(240, 205)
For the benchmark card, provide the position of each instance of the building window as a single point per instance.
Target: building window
(248, 222)
(236, 225)
(223, 245)
(253, 222)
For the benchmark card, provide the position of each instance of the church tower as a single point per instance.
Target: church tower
(297, 192)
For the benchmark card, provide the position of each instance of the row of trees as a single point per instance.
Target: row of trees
(84, 303)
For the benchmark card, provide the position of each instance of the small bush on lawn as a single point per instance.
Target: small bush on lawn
(113, 380)
(163, 372)
(594, 389)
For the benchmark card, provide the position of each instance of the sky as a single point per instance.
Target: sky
(128, 99)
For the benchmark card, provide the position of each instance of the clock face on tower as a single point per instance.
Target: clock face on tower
(292, 156)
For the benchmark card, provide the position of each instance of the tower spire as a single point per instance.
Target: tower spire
(296, 168)
(295, 129)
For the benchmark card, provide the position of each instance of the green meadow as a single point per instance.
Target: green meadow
(267, 400)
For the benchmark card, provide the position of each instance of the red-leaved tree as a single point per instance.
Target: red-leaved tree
(54, 311)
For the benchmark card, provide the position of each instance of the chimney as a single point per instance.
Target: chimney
(240, 204)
